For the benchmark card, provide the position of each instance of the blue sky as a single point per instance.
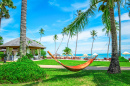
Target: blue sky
(53, 16)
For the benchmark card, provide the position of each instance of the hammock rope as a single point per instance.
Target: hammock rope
(74, 68)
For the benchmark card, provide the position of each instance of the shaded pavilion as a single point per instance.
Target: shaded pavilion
(14, 46)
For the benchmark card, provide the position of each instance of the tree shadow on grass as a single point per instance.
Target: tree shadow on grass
(105, 79)
(101, 77)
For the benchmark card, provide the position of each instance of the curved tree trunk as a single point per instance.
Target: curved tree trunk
(108, 47)
(23, 29)
(114, 65)
(55, 47)
(68, 40)
(92, 48)
(119, 15)
(60, 44)
(76, 44)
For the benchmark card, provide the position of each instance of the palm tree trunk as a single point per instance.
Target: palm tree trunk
(119, 15)
(108, 47)
(0, 23)
(55, 47)
(76, 44)
(92, 48)
(68, 40)
(60, 44)
(23, 29)
(114, 65)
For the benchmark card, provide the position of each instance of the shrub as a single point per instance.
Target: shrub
(24, 70)
(122, 59)
(43, 53)
(3, 55)
(29, 55)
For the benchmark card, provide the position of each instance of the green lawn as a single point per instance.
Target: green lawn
(75, 62)
(63, 77)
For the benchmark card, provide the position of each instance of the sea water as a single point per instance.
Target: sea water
(102, 56)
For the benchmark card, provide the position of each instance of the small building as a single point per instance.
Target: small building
(14, 46)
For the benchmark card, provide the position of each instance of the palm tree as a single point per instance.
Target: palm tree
(93, 34)
(23, 28)
(119, 15)
(63, 34)
(1, 40)
(106, 22)
(41, 31)
(55, 38)
(128, 3)
(4, 13)
(78, 14)
(67, 51)
(82, 20)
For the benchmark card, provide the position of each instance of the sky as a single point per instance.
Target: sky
(53, 16)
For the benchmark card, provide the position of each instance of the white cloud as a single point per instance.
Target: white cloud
(80, 5)
(125, 29)
(77, 6)
(6, 22)
(17, 4)
(71, 17)
(99, 14)
(53, 2)
(123, 17)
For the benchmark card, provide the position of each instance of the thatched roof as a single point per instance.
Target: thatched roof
(3, 50)
(16, 44)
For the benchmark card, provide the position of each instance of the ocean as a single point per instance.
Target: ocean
(102, 56)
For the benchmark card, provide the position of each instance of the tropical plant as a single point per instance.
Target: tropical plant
(43, 53)
(23, 29)
(29, 55)
(63, 34)
(55, 38)
(24, 70)
(78, 14)
(1, 40)
(128, 6)
(119, 15)
(67, 51)
(4, 12)
(93, 34)
(82, 20)
(41, 31)
(107, 24)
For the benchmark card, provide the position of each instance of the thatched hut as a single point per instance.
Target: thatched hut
(14, 45)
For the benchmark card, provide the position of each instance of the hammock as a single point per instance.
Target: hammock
(74, 68)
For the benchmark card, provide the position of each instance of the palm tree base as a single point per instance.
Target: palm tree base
(114, 66)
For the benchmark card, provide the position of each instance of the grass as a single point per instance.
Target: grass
(63, 77)
(76, 62)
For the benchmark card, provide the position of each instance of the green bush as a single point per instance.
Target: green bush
(3, 55)
(24, 70)
(122, 59)
(43, 53)
(29, 55)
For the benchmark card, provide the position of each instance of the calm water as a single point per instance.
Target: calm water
(102, 56)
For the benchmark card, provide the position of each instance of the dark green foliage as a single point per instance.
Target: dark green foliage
(24, 70)
(122, 59)
(43, 53)
(38, 42)
(1, 40)
(29, 55)
(24, 59)
(3, 55)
